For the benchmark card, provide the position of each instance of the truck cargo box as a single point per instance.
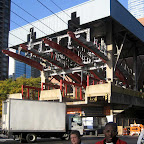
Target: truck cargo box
(30, 115)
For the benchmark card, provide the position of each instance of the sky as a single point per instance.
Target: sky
(26, 11)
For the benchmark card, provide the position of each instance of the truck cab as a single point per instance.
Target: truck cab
(74, 122)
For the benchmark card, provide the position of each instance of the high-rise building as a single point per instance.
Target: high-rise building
(136, 8)
(4, 30)
(22, 69)
(18, 69)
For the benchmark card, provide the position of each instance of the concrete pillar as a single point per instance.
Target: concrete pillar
(43, 78)
(135, 69)
(109, 43)
(74, 92)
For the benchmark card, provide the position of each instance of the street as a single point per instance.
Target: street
(85, 140)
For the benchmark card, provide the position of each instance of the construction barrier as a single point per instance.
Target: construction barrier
(135, 129)
(124, 131)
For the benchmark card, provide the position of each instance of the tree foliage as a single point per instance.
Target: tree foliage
(10, 86)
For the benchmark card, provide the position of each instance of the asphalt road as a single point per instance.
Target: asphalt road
(85, 140)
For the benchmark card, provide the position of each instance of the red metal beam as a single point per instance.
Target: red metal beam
(58, 78)
(80, 93)
(77, 78)
(71, 83)
(92, 72)
(76, 92)
(73, 56)
(30, 87)
(87, 80)
(25, 48)
(24, 59)
(61, 84)
(67, 82)
(28, 93)
(22, 92)
(51, 85)
(38, 95)
(121, 77)
(72, 35)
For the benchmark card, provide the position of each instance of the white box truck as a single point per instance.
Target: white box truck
(30, 119)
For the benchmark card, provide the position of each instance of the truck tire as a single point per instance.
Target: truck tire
(31, 138)
(65, 137)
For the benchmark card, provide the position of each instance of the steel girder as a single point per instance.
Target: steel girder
(73, 56)
(24, 59)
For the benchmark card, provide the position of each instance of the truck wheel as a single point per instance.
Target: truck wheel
(31, 138)
(67, 137)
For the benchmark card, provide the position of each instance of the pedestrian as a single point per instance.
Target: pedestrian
(110, 132)
(75, 137)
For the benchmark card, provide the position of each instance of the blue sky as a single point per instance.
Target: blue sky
(19, 17)
(124, 3)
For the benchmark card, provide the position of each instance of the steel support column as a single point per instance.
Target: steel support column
(109, 43)
(135, 69)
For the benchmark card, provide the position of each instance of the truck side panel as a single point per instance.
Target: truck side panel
(27, 115)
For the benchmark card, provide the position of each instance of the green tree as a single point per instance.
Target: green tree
(10, 86)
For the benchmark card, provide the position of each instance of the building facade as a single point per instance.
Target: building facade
(18, 69)
(136, 8)
(4, 30)
(22, 69)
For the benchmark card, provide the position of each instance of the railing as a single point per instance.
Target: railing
(64, 86)
(28, 91)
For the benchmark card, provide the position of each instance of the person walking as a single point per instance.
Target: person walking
(110, 132)
(75, 137)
